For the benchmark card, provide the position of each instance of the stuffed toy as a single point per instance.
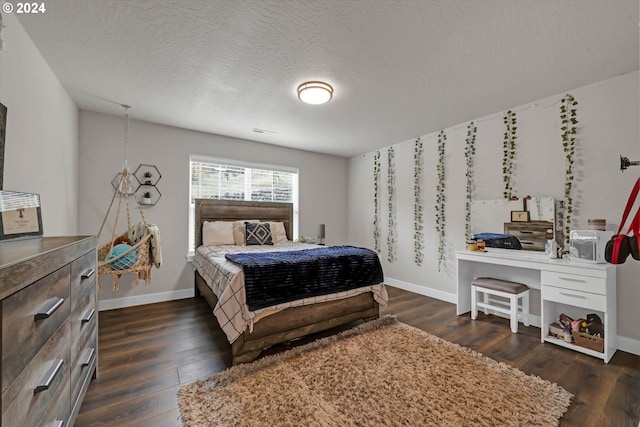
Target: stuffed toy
(595, 325)
(124, 240)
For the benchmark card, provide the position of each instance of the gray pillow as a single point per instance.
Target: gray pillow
(258, 233)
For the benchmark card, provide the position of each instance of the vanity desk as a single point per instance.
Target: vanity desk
(570, 287)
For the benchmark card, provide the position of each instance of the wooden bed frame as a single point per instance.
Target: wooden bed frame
(290, 323)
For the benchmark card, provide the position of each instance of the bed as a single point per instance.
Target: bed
(284, 322)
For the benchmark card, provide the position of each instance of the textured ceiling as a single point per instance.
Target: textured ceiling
(400, 68)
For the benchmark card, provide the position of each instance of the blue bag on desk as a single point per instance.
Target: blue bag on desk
(497, 240)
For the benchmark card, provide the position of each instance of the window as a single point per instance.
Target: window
(223, 179)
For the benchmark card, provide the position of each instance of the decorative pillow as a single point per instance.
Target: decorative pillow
(127, 261)
(217, 233)
(278, 232)
(239, 231)
(258, 233)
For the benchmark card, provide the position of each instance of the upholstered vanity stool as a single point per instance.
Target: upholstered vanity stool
(511, 290)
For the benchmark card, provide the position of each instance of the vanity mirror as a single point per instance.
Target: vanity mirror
(532, 220)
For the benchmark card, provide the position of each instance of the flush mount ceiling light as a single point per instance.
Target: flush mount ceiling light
(315, 92)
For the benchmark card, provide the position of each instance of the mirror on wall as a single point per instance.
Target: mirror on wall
(531, 220)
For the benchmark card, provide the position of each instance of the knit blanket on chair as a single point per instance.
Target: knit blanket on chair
(138, 231)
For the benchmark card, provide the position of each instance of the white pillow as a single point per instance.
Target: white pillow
(239, 231)
(217, 233)
(278, 232)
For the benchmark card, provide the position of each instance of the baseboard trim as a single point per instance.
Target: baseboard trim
(534, 320)
(422, 290)
(446, 296)
(112, 304)
(629, 345)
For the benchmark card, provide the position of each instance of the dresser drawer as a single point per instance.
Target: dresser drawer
(82, 368)
(29, 318)
(40, 384)
(532, 235)
(595, 285)
(84, 320)
(529, 243)
(575, 298)
(83, 276)
(58, 413)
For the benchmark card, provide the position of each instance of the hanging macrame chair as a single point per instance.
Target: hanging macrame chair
(144, 238)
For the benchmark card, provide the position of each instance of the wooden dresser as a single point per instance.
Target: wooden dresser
(49, 329)
(533, 235)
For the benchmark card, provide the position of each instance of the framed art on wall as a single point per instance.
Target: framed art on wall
(3, 131)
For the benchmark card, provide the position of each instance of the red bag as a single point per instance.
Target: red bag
(621, 245)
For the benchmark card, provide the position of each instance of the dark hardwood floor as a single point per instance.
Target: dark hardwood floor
(147, 352)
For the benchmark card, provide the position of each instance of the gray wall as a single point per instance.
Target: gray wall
(322, 179)
(608, 115)
(41, 145)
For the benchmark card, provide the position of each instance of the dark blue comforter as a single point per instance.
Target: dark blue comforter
(277, 277)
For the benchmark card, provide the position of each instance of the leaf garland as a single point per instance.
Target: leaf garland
(391, 181)
(376, 201)
(509, 152)
(469, 154)
(418, 229)
(441, 198)
(569, 120)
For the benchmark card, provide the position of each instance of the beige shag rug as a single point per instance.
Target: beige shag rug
(381, 373)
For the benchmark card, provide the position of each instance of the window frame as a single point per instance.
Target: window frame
(247, 194)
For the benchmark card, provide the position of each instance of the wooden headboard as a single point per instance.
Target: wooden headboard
(233, 210)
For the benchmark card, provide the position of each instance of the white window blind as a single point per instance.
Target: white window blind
(222, 179)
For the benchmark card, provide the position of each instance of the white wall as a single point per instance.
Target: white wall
(608, 115)
(322, 178)
(41, 147)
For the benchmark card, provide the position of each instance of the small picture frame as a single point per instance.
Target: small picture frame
(520, 216)
(20, 216)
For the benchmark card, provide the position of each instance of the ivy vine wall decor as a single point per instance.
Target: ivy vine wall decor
(569, 120)
(509, 152)
(376, 201)
(418, 229)
(469, 154)
(391, 183)
(441, 198)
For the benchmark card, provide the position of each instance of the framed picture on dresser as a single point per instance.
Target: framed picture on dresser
(20, 215)
(520, 216)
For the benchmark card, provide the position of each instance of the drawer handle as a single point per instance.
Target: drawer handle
(87, 274)
(89, 316)
(58, 423)
(571, 279)
(526, 232)
(572, 295)
(49, 376)
(87, 360)
(527, 242)
(55, 304)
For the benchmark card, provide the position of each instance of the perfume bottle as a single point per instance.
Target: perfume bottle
(551, 248)
(567, 334)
